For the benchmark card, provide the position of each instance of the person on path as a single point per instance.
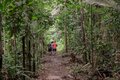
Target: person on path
(50, 47)
(54, 47)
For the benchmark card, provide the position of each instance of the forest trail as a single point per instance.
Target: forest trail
(54, 68)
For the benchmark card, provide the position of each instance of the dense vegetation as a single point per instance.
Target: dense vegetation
(85, 28)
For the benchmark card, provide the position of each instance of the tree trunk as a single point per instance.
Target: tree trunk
(92, 53)
(23, 50)
(34, 64)
(14, 40)
(1, 47)
(83, 35)
(65, 31)
(65, 34)
(29, 55)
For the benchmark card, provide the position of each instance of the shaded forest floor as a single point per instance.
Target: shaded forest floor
(56, 67)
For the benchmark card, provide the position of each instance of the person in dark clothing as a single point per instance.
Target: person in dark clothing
(50, 47)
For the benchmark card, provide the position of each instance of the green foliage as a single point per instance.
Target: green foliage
(33, 20)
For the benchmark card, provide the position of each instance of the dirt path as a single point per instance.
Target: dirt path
(54, 68)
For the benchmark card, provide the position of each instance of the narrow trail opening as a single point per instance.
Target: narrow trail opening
(54, 68)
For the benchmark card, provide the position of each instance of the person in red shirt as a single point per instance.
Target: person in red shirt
(54, 47)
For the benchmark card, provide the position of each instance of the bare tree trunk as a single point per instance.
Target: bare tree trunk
(28, 48)
(29, 55)
(65, 34)
(65, 31)
(34, 64)
(1, 47)
(92, 53)
(23, 48)
(97, 21)
(83, 35)
(14, 45)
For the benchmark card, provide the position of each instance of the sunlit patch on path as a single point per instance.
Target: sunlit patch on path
(53, 78)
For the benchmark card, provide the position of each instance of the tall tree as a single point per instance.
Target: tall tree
(83, 33)
(1, 48)
(65, 32)
(0, 41)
